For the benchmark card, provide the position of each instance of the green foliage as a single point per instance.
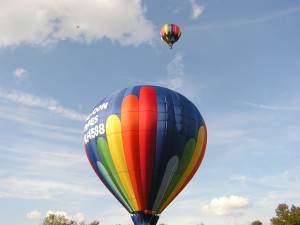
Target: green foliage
(286, 216)
(95, 223)
(256, 222)
(54, 219)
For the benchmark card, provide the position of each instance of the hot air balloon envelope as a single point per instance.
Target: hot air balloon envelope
(170, 33)
(145, 143)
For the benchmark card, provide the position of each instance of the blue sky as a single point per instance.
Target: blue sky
(238, 61)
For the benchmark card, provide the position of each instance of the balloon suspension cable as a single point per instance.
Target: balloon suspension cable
(169, 180)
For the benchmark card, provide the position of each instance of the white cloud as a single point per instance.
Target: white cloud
(175, 77)
(34, 214)
(241, 178)
(225, 206)
(45, 103)
(177, 80)
(41, 23)
(197, 9)
(79, 217)
(58, 213)
(175, 67)
(20, 72)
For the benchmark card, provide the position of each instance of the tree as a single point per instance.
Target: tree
(256, 222)
(286, 216)
(54, 219)
(95, 223)
(92, 223)
(295, 215)
(57, 219)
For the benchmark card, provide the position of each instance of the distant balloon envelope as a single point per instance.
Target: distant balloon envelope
(170, 33)
(145, 143)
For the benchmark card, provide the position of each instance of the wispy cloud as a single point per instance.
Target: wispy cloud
(40, 150)
(33, 119)
(43, 169)
(271, 107)
(289, 178)
(175, 77)
(240, 22)
(177, 80)
(241, 178)
(266, 188)
(197, 9)
(44, 103)
(42, 23)
(20, 72)
(26, 188)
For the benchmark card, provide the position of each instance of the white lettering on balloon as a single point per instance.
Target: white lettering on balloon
(91, 128)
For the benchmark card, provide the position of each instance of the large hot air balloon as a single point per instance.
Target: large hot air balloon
(170, 33)
(145, 143)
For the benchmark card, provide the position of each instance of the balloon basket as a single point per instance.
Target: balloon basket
(140, 218)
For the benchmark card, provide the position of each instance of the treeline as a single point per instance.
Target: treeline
(55, 219)
(284, 216)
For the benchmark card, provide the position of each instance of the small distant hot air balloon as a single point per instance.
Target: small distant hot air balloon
(145, 143)
(170, 33)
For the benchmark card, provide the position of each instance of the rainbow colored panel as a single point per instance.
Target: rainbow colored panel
(145, 143)
(170, 33)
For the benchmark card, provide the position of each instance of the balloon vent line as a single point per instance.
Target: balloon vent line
(162, 197)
